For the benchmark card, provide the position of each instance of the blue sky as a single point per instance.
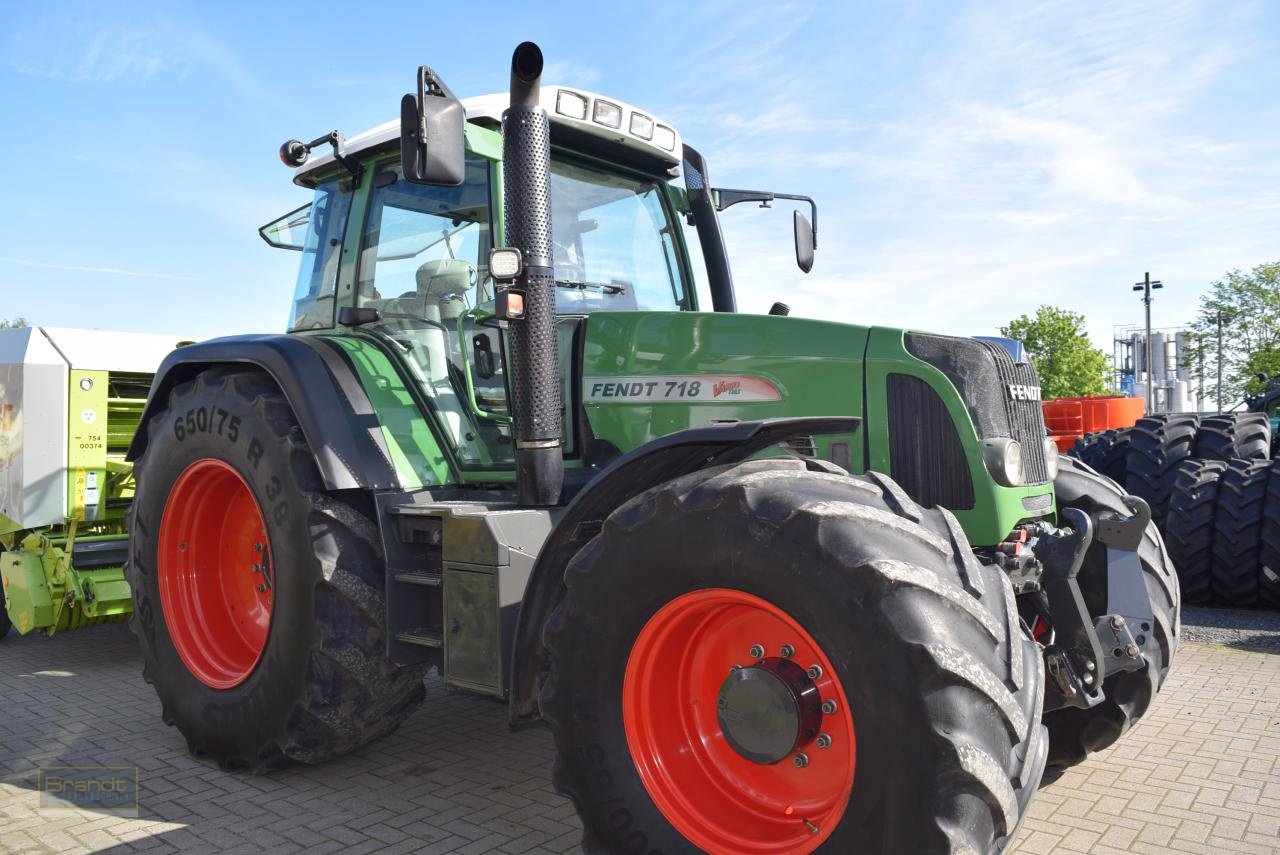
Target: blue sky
(970, 161)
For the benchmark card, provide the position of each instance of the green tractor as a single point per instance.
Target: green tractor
(502, 439)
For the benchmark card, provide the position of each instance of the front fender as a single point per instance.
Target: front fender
(648, 466)
(340, 425)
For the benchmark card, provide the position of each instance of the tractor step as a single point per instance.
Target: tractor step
(428, 578)
(422, 637)
(412, 544)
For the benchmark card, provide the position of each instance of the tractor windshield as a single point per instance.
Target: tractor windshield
(424, 267)
(613, 242)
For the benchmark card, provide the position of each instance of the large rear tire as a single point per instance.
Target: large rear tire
(935, 689)
(1115, 457)
(1090, 447)
(1237, 541)
(1157, 445)
(1234, 436)
(1189, 528)
(1076, 733)
(258, 598)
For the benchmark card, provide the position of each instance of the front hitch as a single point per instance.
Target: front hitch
(1087, 649)
(1074, 661)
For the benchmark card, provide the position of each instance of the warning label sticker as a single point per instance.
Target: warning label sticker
(695, 388)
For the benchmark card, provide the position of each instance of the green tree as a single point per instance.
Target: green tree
(13, 323)
(1249, 305)
(1068, 363)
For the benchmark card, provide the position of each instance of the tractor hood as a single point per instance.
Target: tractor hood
(932, 406)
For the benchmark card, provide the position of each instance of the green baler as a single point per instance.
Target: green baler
(70, 401)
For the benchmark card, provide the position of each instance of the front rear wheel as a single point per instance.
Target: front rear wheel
(258, 597)
(761, 658)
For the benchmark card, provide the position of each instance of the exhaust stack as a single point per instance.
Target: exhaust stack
(526, 178)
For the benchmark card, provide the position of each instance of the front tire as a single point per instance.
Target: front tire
(257, 597)
(935, 689)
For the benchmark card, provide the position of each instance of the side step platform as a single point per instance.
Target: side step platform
(415, 599)
(456, 576)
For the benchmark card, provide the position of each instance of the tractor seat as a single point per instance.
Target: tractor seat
(444, 283)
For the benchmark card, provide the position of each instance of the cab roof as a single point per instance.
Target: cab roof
(579, 118)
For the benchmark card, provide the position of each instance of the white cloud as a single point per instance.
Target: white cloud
(1046, 153)
(86, 48)
(570, 74)
(77, 268)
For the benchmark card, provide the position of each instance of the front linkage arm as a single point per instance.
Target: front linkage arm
(1073, 660)
(1087, 649)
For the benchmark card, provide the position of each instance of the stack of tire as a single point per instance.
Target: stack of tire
(1215, 493)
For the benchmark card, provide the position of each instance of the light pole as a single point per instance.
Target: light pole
(1146, 286)
(1219, 395)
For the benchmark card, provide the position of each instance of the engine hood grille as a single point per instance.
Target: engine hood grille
(1002, 396)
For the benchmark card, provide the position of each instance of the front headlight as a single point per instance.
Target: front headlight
(1051, 457)
(1003, 457)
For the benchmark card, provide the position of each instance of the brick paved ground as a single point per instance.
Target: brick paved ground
(1200, 774)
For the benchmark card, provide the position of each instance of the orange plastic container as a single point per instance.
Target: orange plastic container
(1070, 418)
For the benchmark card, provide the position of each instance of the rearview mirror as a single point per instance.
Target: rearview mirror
(432, 139)
(804, 241)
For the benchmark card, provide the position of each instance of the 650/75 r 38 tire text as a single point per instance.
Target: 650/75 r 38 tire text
(760, 658)
(258, 597)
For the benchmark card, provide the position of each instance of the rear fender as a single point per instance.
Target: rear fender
(340, 425)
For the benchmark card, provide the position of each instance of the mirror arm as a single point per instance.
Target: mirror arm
(353, 166)
(729, 198)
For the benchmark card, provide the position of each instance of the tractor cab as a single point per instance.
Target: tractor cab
(407, 263)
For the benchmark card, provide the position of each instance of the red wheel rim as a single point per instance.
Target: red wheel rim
(214, 568)
(717, 798)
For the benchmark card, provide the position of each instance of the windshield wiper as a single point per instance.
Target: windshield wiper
(609, 288)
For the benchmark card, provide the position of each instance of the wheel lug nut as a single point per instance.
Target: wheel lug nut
(1132, 650)
(815, 672)
(757, 651)
(828, 707)
(787, 651)
(1117, 622)
(801, 760)
(823, 740)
